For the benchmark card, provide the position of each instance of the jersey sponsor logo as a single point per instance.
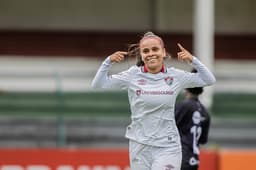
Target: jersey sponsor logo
(144, 92)
(168, 80)
(197, 117)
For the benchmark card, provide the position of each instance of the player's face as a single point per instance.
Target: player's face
(152, 53)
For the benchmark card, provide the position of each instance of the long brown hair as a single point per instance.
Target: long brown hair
(134, 52)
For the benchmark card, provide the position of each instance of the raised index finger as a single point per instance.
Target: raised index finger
(123, 52)
(181, 48)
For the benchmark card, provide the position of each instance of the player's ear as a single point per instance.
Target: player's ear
(167, 56)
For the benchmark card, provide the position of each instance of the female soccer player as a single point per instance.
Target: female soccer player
(154, 142)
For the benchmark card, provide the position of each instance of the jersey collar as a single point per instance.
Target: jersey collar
(144, 69)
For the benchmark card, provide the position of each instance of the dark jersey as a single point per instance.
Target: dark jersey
(193, 123)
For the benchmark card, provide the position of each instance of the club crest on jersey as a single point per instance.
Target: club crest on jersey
(168, 80)
(138, 92)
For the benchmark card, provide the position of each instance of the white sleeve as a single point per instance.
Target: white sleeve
(203, 77)
(103, 80)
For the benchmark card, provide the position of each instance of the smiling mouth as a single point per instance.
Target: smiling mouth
(151, 59)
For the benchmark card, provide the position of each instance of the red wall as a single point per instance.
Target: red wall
(101, 44)
(51, 159)
(237, 160)
(209, 160)
(79, 159)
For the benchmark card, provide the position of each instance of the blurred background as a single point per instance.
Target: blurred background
(50, 51)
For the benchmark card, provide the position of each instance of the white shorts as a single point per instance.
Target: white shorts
(146, 157)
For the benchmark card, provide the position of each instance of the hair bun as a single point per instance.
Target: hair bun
(149, 33)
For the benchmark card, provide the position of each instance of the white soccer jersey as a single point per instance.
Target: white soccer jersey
(152, 98)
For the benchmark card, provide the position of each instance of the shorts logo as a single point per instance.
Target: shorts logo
(168, 80)
(168, 167)
(169, 138)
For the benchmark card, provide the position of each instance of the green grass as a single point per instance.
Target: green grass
(234, 105)
(68, 104)
(108, 103)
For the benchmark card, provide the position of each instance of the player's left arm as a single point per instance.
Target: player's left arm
(203, 77)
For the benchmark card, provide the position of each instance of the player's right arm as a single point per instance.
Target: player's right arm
(103, 80)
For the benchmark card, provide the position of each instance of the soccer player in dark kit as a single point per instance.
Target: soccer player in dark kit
(193, 122)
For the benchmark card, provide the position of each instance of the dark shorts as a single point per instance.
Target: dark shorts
(189, 167)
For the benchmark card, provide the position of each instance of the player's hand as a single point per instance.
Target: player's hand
(118, 56)
(184, 55)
